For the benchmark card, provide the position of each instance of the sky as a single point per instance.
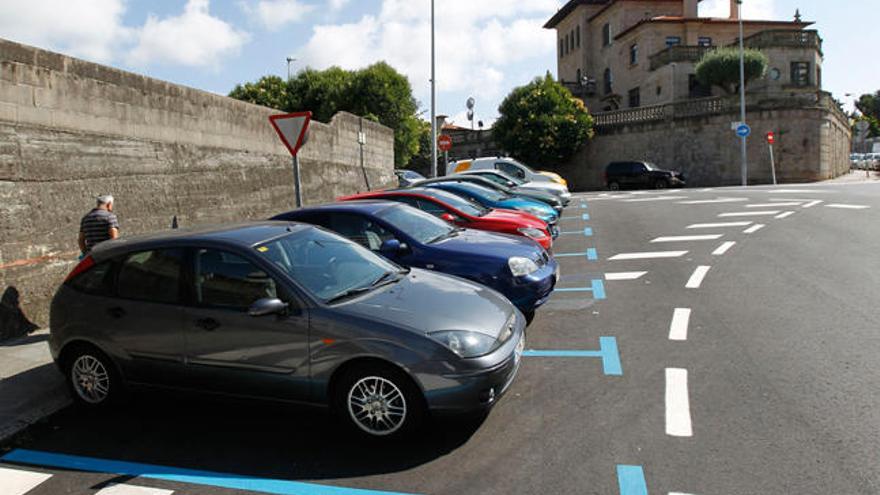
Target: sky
(485, 48)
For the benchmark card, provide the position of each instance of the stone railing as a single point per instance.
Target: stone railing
(784, 38)
(678, 53)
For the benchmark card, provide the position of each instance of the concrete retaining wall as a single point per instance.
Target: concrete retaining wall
(70, 130)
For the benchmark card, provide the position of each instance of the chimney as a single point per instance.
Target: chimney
(734, 12)
(690, 9)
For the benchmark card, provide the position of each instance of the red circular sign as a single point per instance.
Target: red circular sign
(444, 142)
(771, 138)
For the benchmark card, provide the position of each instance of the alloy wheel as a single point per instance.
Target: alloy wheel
(90, 379)
(377, 406)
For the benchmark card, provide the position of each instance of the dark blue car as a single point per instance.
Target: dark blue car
(514, 266)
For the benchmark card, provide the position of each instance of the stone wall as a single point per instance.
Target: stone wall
(812, 143)
(70, 130)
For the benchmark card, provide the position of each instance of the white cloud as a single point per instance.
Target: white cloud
(477, 42)
(338, 4)
(753, 9)
(90, 29)
(194, 38)
(275, 14)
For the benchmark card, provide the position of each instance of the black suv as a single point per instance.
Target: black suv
(640, 175)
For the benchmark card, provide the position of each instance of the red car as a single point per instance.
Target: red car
(466, 213)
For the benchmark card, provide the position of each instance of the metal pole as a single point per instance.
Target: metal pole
(772, 165)
(742, 93)
(433, 99)
(296, 183)
(362, 140)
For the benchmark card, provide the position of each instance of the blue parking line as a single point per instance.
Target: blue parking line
(631, 480)
(607, 351)
(583, 206)
(586, 216)
(592, 254)
(598, 289)
(588, 232)
(207, 478)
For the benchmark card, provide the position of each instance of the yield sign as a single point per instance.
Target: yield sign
(292, 128)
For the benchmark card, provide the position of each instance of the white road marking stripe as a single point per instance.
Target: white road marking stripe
(718, 225)
(774, 205)
(659, 198)
(765, 213)
(793, 191)
(847, 207)
(18, 482)
(678, 409)
(697, 277)
(678, 328)
(722, 249)
(678, 493)
(646, 256)
(688, 238)
(625, 275)
(754, 228)
(784, 215)
(712, 201)
(813, 203)
(122, 489)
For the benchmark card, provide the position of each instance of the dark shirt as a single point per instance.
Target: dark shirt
(96, 226)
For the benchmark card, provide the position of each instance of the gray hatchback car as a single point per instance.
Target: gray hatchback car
(283, 311)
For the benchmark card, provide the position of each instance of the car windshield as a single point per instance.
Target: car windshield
(421, 226)
(326, 265)
(501, 177)
(483, 192)
(463, 205)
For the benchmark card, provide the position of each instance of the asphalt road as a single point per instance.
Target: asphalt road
(767, 385)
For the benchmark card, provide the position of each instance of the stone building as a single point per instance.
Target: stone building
(633, 63)
(470, 143)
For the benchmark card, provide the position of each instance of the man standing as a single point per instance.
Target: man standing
(98, 225)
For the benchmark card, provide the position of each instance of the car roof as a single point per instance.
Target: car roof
(370, 206)
(244, 234)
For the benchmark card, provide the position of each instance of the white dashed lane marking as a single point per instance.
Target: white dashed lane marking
(678, 408)
(625, 275)
(813, 203)
(763, 213)
(784, 215)
(722, 249)
(678, 328)
(688, 238)
(774, 205)
(697, 277)
(659, 198)
(18, 482)
(718, 225)
(712, 201)
(847, 207)
(754, 228)
(647, 256)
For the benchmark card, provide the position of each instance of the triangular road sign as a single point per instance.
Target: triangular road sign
(292, 128)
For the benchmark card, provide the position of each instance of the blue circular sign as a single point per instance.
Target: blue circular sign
(743, 130)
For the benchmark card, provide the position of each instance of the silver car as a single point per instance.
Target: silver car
(283, 311)
(507, 180)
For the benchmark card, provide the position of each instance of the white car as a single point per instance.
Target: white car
(507, 165)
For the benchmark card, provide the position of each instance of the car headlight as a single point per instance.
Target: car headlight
(532, 232)
(521, 267)
(464, 343)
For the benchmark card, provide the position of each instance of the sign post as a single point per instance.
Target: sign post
(771, 138)
(444, 142)
(293, 128)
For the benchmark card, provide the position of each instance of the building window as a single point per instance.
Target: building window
(634, 54)
(704, 41)
(606, 79)
(578, 34)
(579, 76)
(561, 47)
(800, 73)
(567, 45)
(606, 35)
(673, 40)
(572, 39)
(634, 98)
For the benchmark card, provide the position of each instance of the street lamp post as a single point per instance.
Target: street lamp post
(742, 93)
(290, 60)
(433, 99)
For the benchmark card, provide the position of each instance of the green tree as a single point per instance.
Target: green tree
(377, 92)
(869, 105)
(721, 68)
(542, 123)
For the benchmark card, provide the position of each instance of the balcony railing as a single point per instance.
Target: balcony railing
(782, 38)
(678, 53)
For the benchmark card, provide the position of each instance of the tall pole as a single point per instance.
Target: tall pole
(742, 93)
(289, 60)
(433, 99)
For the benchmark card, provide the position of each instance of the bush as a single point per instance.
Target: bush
(721, 68)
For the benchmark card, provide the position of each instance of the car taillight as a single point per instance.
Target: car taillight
(82, 267)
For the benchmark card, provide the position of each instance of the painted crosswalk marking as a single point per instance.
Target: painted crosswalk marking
(19, 482)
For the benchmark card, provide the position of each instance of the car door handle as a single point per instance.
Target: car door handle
(208, 324)
(116, 312)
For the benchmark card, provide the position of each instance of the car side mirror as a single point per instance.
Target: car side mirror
(391, 248)
(449, 217)
(267, 306)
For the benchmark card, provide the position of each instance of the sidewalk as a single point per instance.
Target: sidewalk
(31, 386)
(857, 176)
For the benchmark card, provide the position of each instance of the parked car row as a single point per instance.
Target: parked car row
(383, 307)
(865, 161)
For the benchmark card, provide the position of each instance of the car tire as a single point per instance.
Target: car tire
(379, 402)
(613, 186)
(92, 378)
(530, 316)
(661, 184)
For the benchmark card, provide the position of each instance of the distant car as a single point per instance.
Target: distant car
(466, 213)
(544, 197)
(283, 311)
(512, 265)
(407, 177)
(519, 185)
(507, 165)
(491, 198)
(640, 175)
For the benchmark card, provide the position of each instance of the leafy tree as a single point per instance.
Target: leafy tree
(542, 123)
(869, 105)
(721, 68)
(421, 161)
(377, 92)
